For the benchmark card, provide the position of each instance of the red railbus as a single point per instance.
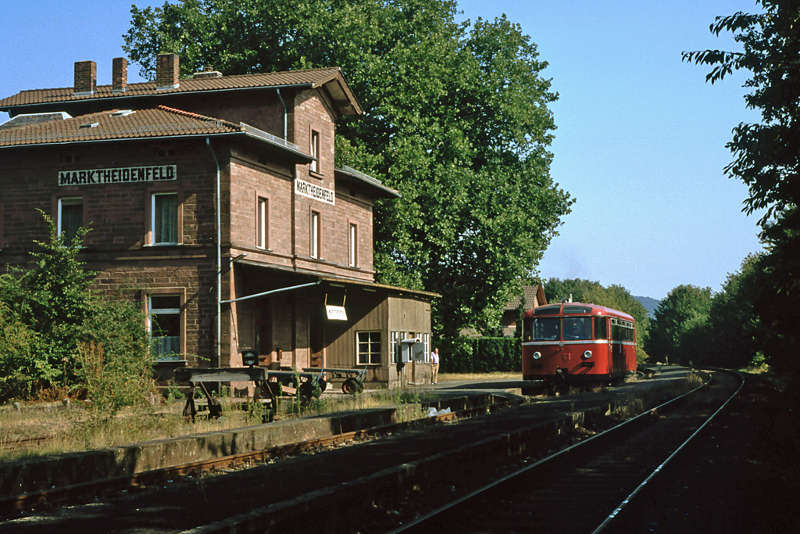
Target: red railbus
(577, 343)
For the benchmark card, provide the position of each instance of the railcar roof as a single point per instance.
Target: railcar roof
(577, 308)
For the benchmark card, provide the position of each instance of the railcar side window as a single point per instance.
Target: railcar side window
(546, 328)
(577, 328)
(600, 330)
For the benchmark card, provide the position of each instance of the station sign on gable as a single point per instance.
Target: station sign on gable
(119, 175)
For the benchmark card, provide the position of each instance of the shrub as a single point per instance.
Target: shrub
(55, 334)
(19, 375)
(481, 354)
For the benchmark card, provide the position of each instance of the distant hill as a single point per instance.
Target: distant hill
(650, 304)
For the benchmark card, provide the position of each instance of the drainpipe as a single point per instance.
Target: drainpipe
(284, 113)
(219, 257)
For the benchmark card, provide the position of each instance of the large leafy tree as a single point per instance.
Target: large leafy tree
(456, 118)
(767, 159)
(767, 156)
(613, 296)
(680, 321)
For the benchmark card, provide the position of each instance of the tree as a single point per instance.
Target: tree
(767, 156)
(614, 296)
(681, 316)
(456, 118)
(734, 325)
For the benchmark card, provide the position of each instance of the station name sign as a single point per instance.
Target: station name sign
(314, 191)
(119, 175)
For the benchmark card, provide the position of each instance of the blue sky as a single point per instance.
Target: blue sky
(640, 142)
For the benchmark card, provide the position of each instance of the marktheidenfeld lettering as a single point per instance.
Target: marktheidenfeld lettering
(314, 191)
(120, 175)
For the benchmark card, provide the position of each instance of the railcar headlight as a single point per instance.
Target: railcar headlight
(537, 355)
(587, 355)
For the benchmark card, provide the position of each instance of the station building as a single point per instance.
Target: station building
(215, 202)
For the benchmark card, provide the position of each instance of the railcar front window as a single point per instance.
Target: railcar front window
(577, 328)
(546, 328)
(527, 329)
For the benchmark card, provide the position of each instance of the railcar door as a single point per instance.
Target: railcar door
(617, 349)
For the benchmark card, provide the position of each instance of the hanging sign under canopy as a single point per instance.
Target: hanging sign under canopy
(335, 313)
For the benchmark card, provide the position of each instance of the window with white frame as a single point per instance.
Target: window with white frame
(353, 241)
(315, 151)
(164, 324)
(164, 218)
(315, 238)
(396, 337)
(70, 216)
(368, 348)
(426, 340)
(262, 221)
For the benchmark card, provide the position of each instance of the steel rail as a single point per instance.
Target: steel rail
(658, 469)
(519, 472)
(64, 494)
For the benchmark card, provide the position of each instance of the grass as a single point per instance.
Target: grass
(73, 428)
(454, 377)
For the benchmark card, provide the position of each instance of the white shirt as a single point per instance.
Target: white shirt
(434, 357)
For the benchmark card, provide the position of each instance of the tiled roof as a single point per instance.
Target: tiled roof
(530, 292)
(117, 124)
(309, 78)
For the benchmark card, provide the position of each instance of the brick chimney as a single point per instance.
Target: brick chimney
(85, 78)
(119, 81)
(167, 70)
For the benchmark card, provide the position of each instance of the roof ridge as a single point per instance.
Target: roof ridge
(196, 116)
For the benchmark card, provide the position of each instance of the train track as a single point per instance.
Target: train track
(584, 487)
(82, 491)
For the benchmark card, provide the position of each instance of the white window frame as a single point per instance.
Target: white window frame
(396, 337)
(153, 217)
(163, 311)
(262, 222)
(315, 151)
(426, 340)
(370, 355)
(68, 201)
(352, 234)
(316, 229)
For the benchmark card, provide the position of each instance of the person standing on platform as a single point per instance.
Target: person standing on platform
(435, 366)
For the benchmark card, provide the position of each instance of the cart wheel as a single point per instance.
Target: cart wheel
(214, 410)
(350, 386)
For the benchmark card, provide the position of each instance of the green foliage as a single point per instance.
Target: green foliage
(681, 316)
(767, 160)
(456, 118)
(613, 296)
(734, 324)
(481, 354)
(113, 379)
(766, 155)
(51, 298)
(17, 362)
(48, 313)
